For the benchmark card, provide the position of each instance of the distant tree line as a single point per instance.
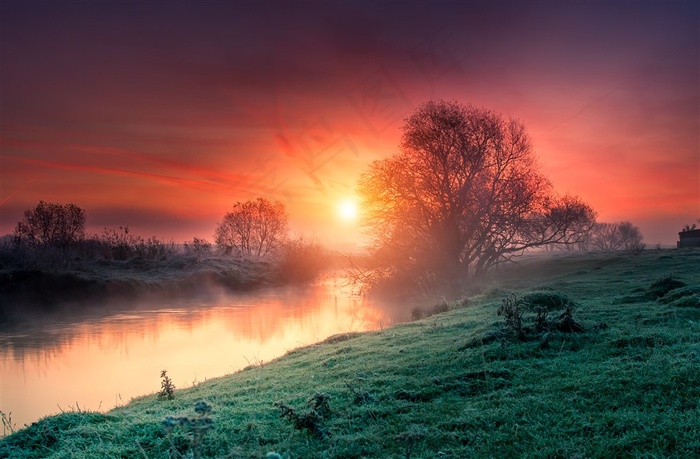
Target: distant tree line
(253, 229)
(611, 237)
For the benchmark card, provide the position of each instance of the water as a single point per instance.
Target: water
(89, 361)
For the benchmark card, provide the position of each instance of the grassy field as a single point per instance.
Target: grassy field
(571, 356)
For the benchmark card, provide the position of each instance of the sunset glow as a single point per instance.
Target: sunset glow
(161, 119)
(347, 210)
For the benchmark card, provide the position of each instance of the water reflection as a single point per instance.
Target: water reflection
(97, 361)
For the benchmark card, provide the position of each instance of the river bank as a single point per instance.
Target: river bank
(469, 382)
(41, 288)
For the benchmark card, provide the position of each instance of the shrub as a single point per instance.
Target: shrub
(198, 247)
(51, 224)
(311, 420)
(513, 309)
(119, 244)
(195, 428)
(302, 260)
(167, 388)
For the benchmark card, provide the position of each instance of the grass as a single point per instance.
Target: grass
(452, 385)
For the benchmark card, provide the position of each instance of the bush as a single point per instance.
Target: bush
(199, 247)
(514, 309)
(302, 260)
(51, 224)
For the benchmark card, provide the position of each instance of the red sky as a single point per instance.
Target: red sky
(161, 115)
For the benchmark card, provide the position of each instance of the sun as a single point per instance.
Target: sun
(347, 210)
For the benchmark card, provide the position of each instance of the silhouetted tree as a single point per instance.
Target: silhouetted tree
(463, 194)
(54, 224)
(610, 237)
(253, 228)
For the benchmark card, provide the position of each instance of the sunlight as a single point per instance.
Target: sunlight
(347, 210)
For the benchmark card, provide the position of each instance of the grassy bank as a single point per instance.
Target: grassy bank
(41, 287)
(38, 279)
(486, 378)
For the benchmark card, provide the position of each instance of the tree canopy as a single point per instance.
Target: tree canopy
(463, 194)
(253, 228)
(50, 223)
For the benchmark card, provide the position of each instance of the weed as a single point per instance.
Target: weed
(512, 311)
(361, 397)
(541, 322)
(310, 420)
(567, 324)
(195, 428)
(167, 388)
(8, 427)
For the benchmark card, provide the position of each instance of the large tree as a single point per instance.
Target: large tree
(50, 223)
(463, 194)
(253, 228)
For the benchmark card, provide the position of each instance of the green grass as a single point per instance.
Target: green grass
(453, 385)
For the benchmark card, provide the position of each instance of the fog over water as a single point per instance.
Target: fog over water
(97, 360)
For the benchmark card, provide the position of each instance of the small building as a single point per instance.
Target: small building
(690, 238)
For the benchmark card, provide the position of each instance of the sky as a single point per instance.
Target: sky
(161, 115)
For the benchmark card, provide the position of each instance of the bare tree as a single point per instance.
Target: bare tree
(610, 237)
(54, 224)
(464, 194)
(253, 228)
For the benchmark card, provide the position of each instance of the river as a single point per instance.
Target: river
(96, 361)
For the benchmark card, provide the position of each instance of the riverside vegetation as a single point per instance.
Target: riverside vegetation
(565, 355)
(121, 265)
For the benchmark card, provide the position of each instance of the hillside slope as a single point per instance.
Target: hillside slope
(611, 369)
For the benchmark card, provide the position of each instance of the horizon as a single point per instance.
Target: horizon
(161, 119)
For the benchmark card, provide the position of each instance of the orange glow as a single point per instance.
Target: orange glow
(138, 141)
(347, 210)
